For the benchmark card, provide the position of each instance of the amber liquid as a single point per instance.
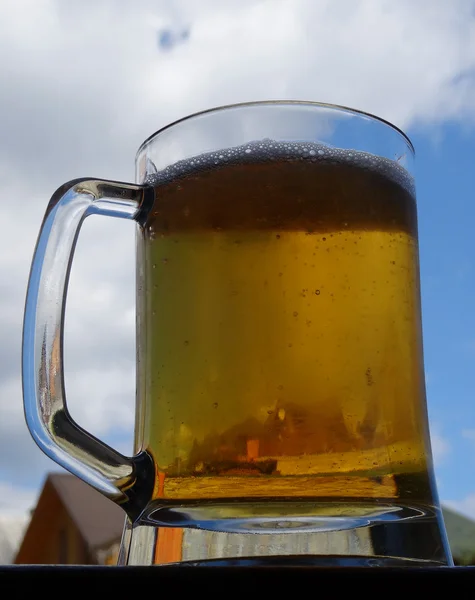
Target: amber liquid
(279, 344)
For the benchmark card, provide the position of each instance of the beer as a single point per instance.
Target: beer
(279, 339)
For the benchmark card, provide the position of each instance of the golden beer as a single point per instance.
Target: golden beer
(279, 352)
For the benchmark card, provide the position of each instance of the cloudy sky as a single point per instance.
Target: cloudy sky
(83, 82)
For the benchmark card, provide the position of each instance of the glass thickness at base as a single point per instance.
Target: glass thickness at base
(325, 532)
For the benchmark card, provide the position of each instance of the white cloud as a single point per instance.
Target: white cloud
(405, 61)
(87, 81)
(15, 500)
(100, 402)
(15, 504)
(11, 533)
(84, 82)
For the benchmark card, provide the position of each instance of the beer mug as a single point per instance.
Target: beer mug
(280, 411)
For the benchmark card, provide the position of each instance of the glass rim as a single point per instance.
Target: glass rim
(308, 103)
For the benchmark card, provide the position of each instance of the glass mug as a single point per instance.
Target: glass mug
(281, 411)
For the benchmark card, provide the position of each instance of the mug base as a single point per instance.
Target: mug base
(318, 532)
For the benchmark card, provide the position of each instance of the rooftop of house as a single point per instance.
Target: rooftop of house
(99, 520)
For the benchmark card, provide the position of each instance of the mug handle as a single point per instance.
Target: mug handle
(128, 481)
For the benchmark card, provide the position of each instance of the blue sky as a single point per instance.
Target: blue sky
(445, 179)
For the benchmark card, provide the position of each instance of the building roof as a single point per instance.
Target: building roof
(99, 520)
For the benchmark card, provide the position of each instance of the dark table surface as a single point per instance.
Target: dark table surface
(407, 582)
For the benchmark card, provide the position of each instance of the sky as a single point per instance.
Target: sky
(84, 82)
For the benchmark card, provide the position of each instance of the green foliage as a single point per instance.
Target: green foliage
(461, 534)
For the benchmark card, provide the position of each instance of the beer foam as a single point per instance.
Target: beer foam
(267, 150)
